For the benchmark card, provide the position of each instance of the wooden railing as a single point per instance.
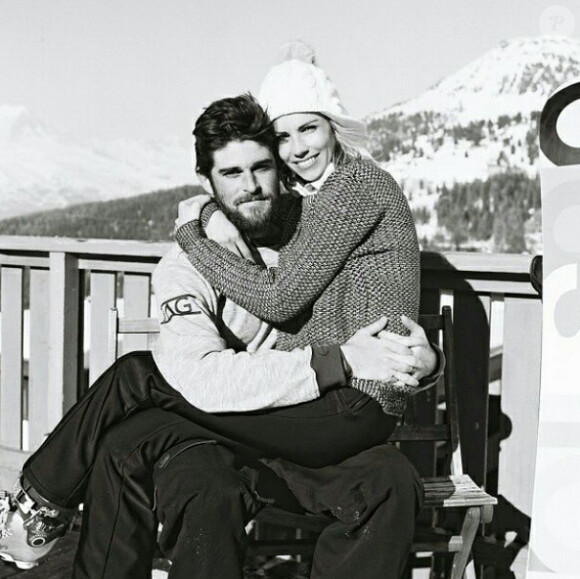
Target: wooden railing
(53, 290)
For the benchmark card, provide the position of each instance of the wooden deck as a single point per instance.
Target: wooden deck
(55, 298)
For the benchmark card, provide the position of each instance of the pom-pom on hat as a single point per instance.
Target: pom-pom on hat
(297, 85)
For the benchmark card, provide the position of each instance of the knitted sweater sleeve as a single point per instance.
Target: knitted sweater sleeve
(339, 217)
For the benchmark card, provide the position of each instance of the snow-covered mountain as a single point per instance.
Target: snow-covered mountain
(515, 77)
(476, 122)
(41, 169)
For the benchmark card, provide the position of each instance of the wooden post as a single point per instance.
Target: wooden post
(423, 407)
(64, 335)
(11, 362)
(136, 299)
(102, 300)
(39, 356)
(471, 331)
(520, 400)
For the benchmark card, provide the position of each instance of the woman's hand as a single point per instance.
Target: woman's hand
(374, 353)
(414, 349)
(372, 358)
(223, 231)
(190, 209)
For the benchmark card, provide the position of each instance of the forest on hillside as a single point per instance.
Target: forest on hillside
(501, 210)
(504, 208)
(397, 134)
(148, 217)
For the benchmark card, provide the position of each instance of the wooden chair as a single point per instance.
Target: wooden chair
(127, 326)
(453, 491)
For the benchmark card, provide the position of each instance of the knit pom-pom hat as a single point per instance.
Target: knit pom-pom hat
(297, 85)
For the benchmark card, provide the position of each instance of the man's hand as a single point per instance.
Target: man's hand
(416, 344)
(190, 209)
(223, 231)
(372, 358)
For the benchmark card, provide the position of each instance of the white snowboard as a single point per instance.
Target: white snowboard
(555, 541)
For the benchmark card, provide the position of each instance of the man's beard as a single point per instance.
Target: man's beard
(256, 223)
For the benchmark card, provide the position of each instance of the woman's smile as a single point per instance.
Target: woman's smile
(306, 163)
(306, 143)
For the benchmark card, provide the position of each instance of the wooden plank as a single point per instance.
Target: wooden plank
(11, 461)
(138, 326)
(84, 246)
(11, 360)
(463, 282)
(452, 261)
(64, 342)
(455, 491)
(471, 261)
(471, 336)
(112, 346)
(446, 299)
(495, 364)
(136, 299)
(520, 400)
(420, 449)
(121, 265)
(430, 300)
(453, 544)
(39, 356)
(23, 260)
(422, 408)
(103, 294)
(495, 422)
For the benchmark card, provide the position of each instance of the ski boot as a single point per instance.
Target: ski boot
(29, 528)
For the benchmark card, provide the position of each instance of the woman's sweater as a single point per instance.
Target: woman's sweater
(353, 257)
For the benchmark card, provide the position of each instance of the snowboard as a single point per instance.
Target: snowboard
(555, 536)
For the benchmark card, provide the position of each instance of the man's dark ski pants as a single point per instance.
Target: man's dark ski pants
(372, 497)
(323, 432)
(205, 494)
(120, 511)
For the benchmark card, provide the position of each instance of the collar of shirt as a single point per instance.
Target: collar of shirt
(314, 187)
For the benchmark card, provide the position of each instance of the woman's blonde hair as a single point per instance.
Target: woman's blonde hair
(350, 146)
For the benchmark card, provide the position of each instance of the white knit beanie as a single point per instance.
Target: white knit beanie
(297, 85)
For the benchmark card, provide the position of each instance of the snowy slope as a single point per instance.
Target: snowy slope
(40, 169)
(478, 121)
(515, 77)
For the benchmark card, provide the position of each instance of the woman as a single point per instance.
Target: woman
(355, 249)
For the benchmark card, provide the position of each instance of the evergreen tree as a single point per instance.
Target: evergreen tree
(497, 208)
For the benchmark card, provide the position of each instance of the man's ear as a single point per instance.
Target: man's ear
(205, 182)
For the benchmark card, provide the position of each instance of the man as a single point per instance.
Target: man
(201, 335)
(196, 484)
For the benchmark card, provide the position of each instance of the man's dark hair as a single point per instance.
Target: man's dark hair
(238, 118)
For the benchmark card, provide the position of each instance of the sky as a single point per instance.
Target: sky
(143, 69)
